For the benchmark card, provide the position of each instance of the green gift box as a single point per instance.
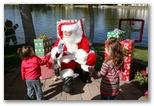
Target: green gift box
(42, 46)
(118, 34)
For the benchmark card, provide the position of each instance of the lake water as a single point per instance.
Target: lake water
(105, 20)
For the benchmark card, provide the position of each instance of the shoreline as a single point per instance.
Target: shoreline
(94, 6)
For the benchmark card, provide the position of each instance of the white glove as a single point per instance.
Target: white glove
(85, 68)
(71, 57)
(60, 47)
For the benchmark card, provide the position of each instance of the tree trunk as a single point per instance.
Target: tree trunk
(27, 22)
(91, 13)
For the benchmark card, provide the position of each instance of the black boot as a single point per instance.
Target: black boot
(68, 86)
(83, 75)
(86, 77)
(79, 71)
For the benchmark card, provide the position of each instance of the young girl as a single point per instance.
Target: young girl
(31, 71)
(110, 70)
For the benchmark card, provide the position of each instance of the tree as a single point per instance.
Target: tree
(91, 13)
(27, 22)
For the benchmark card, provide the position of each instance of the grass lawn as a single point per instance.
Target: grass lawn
(139, 52)
(11, 58)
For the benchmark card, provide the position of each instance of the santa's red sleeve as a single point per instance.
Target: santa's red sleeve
(84, 44)
(83, 51)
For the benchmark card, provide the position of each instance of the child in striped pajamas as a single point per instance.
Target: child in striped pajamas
(110, 70)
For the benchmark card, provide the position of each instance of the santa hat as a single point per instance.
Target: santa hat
(69, 28)
(64, 25)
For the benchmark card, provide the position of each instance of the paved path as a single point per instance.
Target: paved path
(15, 89)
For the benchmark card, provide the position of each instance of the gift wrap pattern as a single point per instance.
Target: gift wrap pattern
(128, 48)
(42, 46)
(120, 35)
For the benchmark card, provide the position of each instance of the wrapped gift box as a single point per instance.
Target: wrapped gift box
(42, 46)
(127, 65)
(128, 44)
(118, 34)
(128, 48)
(46, 70)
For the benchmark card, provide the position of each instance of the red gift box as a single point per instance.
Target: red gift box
(47, 70)
(128, 48)
(125, 75)
(127, 66)
(127, 59)
(127, 44)
(125, 78)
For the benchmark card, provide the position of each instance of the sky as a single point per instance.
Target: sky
(116, 103)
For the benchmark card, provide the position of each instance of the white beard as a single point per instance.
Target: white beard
(70, 43)
(69, 39)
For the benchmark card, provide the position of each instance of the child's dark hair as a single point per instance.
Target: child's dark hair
(25, 52)
(116, 53)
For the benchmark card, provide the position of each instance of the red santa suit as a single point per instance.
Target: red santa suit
(76, 49)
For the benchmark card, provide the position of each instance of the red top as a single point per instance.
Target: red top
(30, 68)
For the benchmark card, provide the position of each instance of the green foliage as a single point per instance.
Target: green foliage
(141, 78)
(11, 58)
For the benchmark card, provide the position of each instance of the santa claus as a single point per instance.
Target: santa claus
(72, 49)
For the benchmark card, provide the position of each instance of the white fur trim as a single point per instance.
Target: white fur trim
(72, 27)
(65, 59)
(66, 73)
(81, 56)
(79, 32)
(78, 35)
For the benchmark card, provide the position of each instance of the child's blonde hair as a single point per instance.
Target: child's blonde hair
(25, 52)
(116, 52)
